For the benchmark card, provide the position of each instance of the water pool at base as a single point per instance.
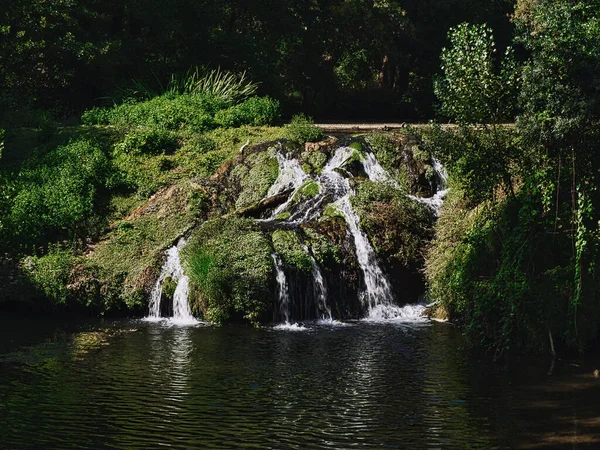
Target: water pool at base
(135, 384)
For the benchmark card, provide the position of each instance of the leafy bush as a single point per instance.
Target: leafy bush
(50, 273)
(323, 249)
(148, 141)
(257, 111)
(229, 264)
(482, 160)
(168, 111)
(53, 194)
(301, 129)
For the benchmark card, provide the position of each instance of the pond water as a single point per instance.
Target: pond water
(134, 384)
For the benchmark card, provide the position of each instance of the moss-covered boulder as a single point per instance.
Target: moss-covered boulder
(255, 176)
(291, 250)
(399, 229)
(231, 271)
(407, 159)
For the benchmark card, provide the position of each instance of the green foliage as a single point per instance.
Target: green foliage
(472, 91)
(301, 129)
(256, 111)
(228, 87)
(356, 146)
(398, 227)
(292, 252)
(482, 159)
(51, 272)
(52, 195)
(326, 253)
(148, 141)
(230, 267)
(168, 111)
(517, 244)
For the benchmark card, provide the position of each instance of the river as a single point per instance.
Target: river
(135, 384)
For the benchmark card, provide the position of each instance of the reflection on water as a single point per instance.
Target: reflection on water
(361, 385)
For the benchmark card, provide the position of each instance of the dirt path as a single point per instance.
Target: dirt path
(384, 126)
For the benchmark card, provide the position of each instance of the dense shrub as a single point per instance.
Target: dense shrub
(150, 141)
(51, 195)
(168, 111)
(291, 250)
(50, 273)
(255, 111)
(192, 111)
(301, 129)
(230, 267)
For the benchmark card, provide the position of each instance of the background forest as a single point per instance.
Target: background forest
(329, 59)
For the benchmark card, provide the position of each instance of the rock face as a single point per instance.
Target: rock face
(337, 231)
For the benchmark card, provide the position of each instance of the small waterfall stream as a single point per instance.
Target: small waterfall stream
(181, 308)
(435, 202)
(320, 291)
(283, 293)
(334, 188)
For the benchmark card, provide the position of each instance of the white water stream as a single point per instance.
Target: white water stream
(283, 293)
(182, 314)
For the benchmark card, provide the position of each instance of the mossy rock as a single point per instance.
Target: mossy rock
(308, 190)
(255, 176)
(288, 246)
(330, 212)
(356, 145)
(231, 271)
(313, 162)
(323, 249)
(398, 227)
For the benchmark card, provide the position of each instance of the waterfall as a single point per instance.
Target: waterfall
(378, 288)
(291, 176)
(334, 188)
(172, 268)
(435, 202)
(319, 289)
(283, 292)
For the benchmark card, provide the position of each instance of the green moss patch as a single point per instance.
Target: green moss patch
(255, 177)
(230, 267)
(399, 228)
(288, 246)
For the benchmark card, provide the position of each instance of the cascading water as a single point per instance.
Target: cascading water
(291, 176)
(335, 188)
(283, 292)
(378, 288)
(320, 291)
(172, 268)
(435, 202)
